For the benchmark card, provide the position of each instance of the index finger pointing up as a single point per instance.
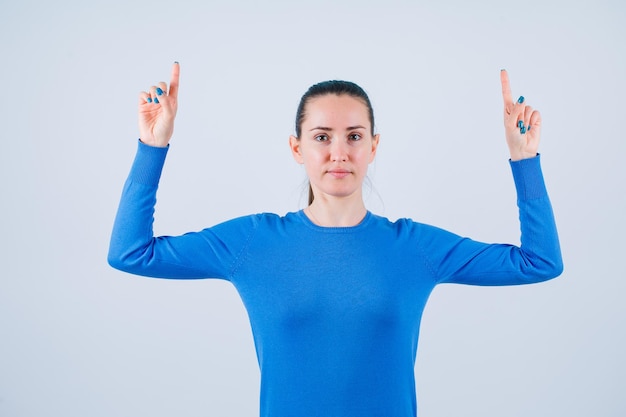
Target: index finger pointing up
(506, 88)
(174, 80)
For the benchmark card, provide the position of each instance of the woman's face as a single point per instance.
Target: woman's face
(335, 145)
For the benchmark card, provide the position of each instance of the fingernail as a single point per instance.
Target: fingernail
(156, 100)
(520, 100)
(175, 62)
(522, 130)
(159, 91)
(520, 124)
(149, 100)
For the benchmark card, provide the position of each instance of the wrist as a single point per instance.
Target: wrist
(153, 144)
(518, 156)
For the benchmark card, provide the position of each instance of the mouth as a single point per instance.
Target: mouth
(339, 173)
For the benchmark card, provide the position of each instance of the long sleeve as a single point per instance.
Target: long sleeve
(460, 260)
(210, 253)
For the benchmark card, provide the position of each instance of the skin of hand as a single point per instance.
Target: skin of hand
(157, 111)
(522, 124)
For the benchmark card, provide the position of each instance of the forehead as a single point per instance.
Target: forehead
(333, 110)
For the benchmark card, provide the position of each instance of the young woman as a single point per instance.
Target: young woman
(334, 293)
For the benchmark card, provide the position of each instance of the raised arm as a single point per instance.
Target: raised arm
(133, 247)
(522, 124)
(538, 258)
(157, 110)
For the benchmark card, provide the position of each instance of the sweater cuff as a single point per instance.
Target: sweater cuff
(528, 178)
(148, 164)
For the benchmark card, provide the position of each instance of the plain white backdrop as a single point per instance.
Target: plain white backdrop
(78, 338)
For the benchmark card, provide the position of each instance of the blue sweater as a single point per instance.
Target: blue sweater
(335, 312)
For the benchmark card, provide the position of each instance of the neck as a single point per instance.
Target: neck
(336, 212)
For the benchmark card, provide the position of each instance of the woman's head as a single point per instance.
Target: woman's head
(335, 138)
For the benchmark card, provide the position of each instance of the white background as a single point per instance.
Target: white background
(78, 338)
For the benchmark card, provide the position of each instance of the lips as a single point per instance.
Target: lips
(339, 173)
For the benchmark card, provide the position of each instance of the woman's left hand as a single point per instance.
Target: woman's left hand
(522, 124)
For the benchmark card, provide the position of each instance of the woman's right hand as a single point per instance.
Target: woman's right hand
(157, 110)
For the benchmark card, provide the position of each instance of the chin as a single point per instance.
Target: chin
(341, 193)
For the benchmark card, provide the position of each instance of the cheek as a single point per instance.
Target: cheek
(314, 156)
(365, 156)
(311, 163)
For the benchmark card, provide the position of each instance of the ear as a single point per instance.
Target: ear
(296, 151)
(375, 140)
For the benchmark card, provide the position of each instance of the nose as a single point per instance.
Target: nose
(338, 151)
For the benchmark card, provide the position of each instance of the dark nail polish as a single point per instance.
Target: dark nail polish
(522, 130)
(156, 100)
(159, 91)
(149, 100)
(520, 100)
(520, 124)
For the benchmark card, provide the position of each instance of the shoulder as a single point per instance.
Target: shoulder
(403, 223)
(399, 227)
(407, 227)
(258, 221)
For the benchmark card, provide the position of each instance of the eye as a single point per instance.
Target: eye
(321, 138)
(354, 136)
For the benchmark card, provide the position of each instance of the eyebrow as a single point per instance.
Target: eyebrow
(328, 129)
